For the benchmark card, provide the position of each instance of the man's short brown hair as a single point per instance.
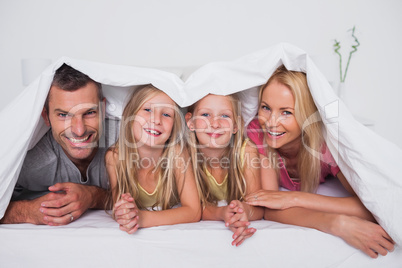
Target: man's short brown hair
(70, 79)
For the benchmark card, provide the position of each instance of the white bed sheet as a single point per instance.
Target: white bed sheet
(95, 240)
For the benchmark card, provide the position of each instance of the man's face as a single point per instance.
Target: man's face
(75, 118)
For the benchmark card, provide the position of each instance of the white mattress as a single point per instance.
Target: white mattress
(95, 240)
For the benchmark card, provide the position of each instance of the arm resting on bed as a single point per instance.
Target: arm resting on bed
(369, 237)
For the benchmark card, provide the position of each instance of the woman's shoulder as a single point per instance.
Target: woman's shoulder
(254, 125)
(326, 155)
(328, 162)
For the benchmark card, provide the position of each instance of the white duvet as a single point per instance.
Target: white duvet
(371, 164)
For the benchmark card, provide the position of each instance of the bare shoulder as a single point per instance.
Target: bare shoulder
(251, 149)
(182, 162)
(182, 152)
(251, 158)
(111, 156)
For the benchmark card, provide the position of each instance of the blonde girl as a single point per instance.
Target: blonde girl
(290, 128)
(225, 165)
(148, 167)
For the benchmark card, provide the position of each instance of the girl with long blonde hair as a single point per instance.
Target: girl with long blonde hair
(289, 135)
(224, 163)
(151, 177)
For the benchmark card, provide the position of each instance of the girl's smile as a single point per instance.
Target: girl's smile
(152, 132)
(214, 134)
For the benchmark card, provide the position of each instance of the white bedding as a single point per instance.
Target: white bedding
(96, 241)
(371, 164)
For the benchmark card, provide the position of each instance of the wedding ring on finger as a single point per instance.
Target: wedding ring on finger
(71, 217)
(256, 197)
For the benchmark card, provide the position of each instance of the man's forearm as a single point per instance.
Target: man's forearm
(19, 212)
(27, 211)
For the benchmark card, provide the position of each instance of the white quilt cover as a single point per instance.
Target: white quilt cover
(371, 164)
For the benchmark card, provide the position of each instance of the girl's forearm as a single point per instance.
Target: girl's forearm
(168, 217)
(213, 213)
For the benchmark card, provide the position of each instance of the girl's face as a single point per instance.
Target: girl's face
(213, 121)
(153, 122)
(276, 115)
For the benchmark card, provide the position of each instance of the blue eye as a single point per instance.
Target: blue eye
(205, 114)
(264, 107)
(147, 109)
(167, 115)
(225, 116)
(287, 113)
(64, 115)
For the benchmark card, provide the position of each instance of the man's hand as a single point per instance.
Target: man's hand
(68, 201)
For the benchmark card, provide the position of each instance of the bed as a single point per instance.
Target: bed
(95, 240)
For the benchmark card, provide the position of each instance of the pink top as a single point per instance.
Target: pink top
(328, 164)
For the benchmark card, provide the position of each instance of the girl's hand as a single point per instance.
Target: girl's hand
(126, 213)
(233, 212)
(241, 232)
(369, 237)
(272, 199)
(236, 219)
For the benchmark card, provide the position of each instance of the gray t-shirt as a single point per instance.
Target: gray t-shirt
(46, 164)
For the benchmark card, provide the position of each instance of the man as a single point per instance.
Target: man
(66, 168)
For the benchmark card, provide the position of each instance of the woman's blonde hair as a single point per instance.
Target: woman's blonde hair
(309, 121)
(126, 147)
(236, 183)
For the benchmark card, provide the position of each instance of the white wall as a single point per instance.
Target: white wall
(182, 32)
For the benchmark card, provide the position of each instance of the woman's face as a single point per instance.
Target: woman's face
(276, 115)
(153, 122)
(213, 121)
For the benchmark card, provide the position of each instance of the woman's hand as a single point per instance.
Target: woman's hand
(369, 237)
(272, 199)
(236, 219)
(126, 213)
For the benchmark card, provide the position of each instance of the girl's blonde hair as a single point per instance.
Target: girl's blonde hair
(236, 182)
(309, 121)
(127, 165)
